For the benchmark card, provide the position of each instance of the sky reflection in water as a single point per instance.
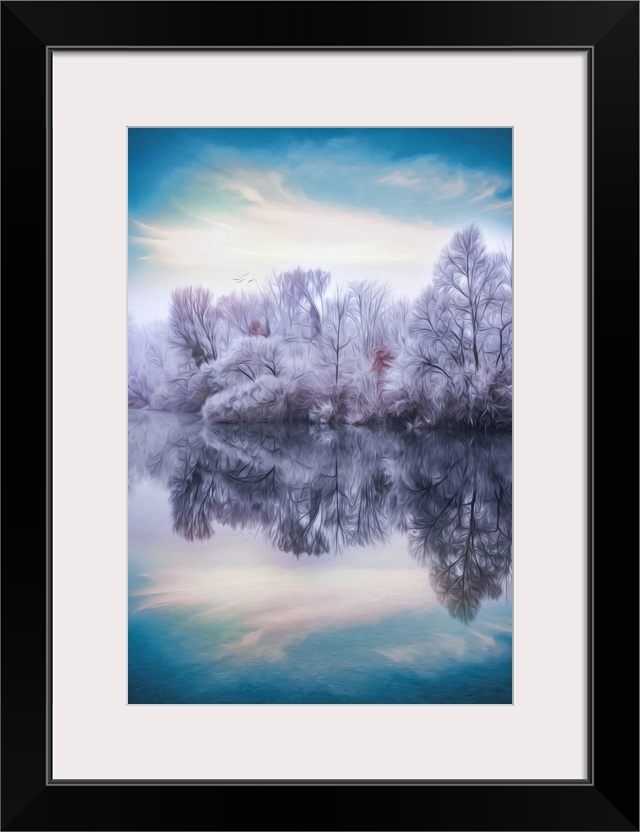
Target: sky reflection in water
(289, 565)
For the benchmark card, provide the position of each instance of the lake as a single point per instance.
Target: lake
(293, 564)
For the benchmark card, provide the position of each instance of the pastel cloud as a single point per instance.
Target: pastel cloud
(277, 228)
(337, 206)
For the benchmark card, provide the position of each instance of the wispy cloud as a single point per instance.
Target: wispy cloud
(401, 179)
(270, 226)
(338, 205)
(500, 205)
(488, 193)
(439, 181)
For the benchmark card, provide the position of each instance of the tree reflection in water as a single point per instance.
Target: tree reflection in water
(316, 491)
(458, 498)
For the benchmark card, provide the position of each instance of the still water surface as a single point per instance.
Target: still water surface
(294, 565)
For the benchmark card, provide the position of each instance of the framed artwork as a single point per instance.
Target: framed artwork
(320, 458)
(338, 529)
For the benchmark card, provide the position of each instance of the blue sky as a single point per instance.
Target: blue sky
(207, 205)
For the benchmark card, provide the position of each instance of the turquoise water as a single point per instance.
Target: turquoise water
(289, 565)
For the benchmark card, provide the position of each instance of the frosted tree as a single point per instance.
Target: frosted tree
(469, 280)
(496, 326)
(370, 302)
(297, 302)
(440, 337)
(460, 349)
(244, 314)
(249, 358)
(138, 382)
(339, 332)
(192, 326)
(152, 365)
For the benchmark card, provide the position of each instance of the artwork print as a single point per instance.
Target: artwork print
(319, 416)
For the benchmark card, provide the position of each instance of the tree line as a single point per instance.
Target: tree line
(293, 350)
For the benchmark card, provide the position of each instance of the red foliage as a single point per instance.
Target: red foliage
(381, 359)
(256, 328)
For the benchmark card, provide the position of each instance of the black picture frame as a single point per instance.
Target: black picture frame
(608, 798)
